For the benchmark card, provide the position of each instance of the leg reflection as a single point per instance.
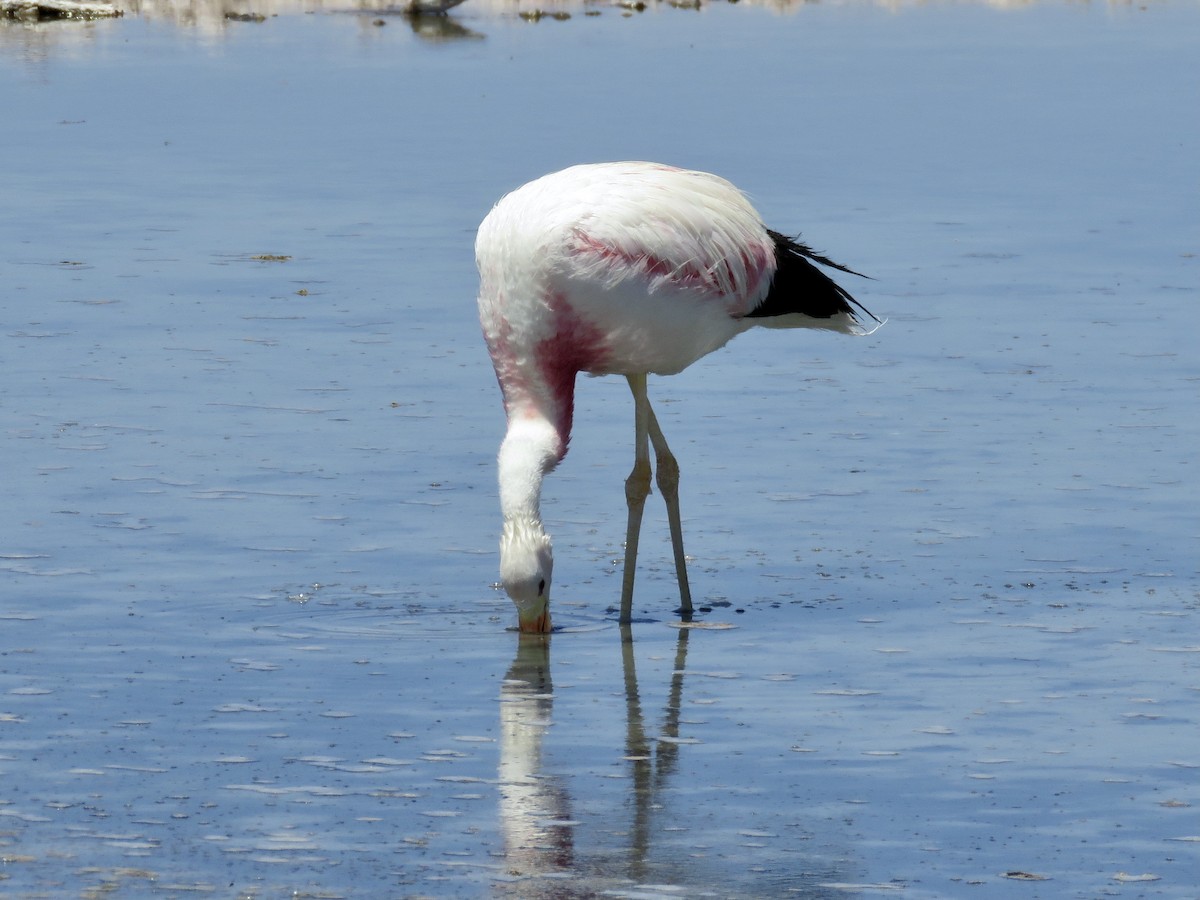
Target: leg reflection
(652, 760)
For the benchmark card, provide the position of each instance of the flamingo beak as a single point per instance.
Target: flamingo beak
(534, 621)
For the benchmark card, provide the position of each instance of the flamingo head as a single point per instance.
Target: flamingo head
(526, 562)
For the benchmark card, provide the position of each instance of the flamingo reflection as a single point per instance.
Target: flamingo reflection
(535, 807)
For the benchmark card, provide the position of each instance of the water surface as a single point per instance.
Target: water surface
(249, 643)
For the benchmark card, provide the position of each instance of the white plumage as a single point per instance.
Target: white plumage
(621, 268)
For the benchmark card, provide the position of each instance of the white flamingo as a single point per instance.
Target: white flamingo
(622, 268)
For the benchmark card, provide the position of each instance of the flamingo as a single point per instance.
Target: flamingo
(623, 268)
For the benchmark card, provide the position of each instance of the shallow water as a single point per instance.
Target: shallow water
(248, 640)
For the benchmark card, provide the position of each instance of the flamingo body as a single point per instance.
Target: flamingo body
(621, 268)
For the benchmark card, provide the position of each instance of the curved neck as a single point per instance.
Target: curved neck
(531, 448)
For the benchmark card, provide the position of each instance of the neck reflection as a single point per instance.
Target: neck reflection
(534, 808)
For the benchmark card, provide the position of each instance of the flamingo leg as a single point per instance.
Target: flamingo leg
(637, 489)
(667, 477)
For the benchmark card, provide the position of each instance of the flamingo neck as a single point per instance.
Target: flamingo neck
(531, 448)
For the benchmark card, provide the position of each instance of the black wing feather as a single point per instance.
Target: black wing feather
(800, 287)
